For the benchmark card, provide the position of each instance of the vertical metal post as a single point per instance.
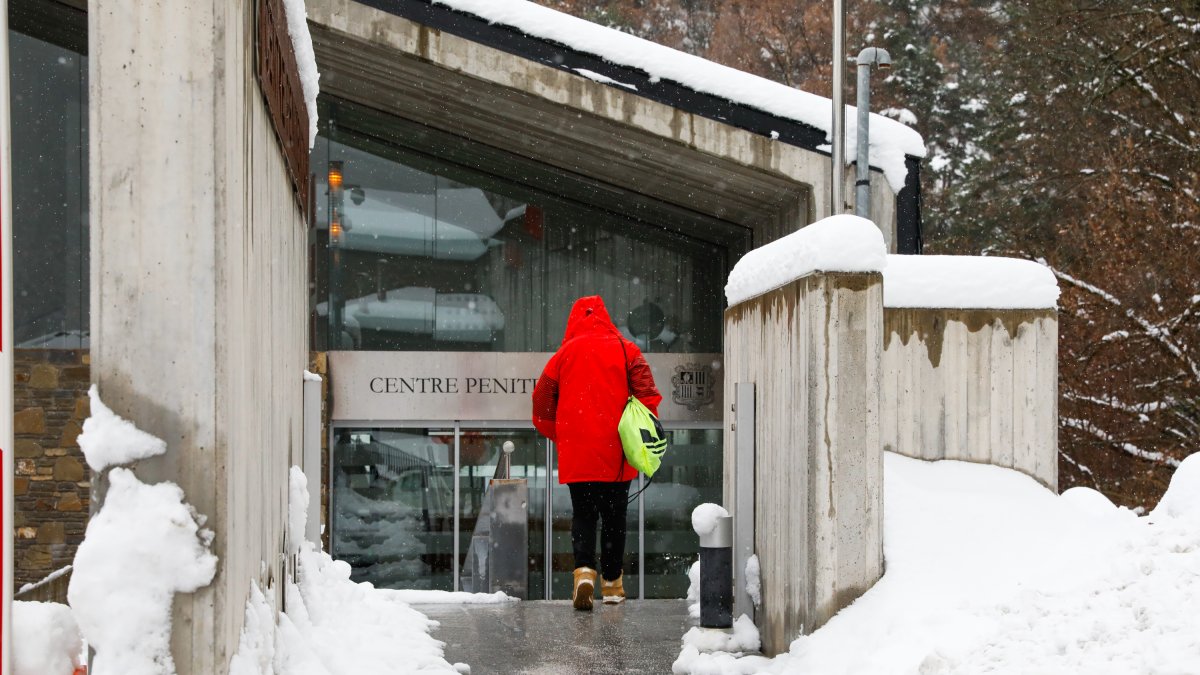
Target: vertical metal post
(6, 352)
(454, 566)
(838, 133)
(862, 167)
(743, 495)
(716, 575)
(310, 460)
(862, 183)
(548, 552)
(641, 538)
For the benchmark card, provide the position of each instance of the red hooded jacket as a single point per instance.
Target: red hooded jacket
(581, 394)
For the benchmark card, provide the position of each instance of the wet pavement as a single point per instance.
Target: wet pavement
(551, 638)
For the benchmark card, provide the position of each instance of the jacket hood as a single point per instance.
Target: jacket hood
(587, 315)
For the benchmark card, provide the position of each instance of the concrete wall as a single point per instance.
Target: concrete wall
(198, 284)
(973, 384)
(813, 349)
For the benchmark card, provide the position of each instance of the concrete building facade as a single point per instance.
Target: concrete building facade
(468, 182)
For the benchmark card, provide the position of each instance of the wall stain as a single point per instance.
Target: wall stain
(929, 325)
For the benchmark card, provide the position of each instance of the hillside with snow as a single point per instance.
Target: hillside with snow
(989, 572)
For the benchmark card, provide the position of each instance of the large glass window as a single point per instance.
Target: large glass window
(423, 250)
(48, 52)
(395, 507)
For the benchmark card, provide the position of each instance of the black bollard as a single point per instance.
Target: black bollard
(716, 575)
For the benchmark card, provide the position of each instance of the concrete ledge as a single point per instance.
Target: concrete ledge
(813, 348)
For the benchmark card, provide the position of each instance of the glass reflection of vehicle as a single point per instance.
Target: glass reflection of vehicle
(422, 311)
(393, 509)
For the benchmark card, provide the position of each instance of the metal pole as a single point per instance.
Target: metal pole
(641, 536)
(862, 167)
(6, 431)
(743, 501)
(548, 553)
(454, 567)
(838, 134)
(862, 184)
(6, 352)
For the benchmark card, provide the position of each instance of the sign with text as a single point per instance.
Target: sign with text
(494, 386)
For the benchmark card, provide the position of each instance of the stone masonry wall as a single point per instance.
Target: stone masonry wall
(52, 484)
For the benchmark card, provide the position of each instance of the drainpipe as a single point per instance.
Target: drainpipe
(837, 134)
(871, 56)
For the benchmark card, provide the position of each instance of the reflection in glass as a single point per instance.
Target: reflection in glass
(393, 506)
(690, 475)
(424, 254)
(49, 84)
(480, 452)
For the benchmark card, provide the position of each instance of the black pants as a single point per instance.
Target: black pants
(605, 502)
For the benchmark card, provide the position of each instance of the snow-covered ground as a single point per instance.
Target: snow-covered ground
(988, 572)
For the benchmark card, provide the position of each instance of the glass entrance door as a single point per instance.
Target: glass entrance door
(404, 504)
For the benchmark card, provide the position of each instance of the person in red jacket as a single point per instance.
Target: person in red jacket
(577, 403)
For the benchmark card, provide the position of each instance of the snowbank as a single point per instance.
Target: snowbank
(306, 60)
(967, 282)
(987, 571)
(109, 440)
(890, 140)
(45, 639)
(144, 546)
(841, 243)
(333, 626)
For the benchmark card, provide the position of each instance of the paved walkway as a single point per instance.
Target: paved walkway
(551, 638)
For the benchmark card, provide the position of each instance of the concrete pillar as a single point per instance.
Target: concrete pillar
(813, 349)
(198, 284)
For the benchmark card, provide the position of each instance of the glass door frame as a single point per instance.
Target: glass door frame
(457, 427)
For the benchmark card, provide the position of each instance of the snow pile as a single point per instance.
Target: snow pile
(705, 517)
(841, 243)
(743, 638)
(45, 639)
(987, 571)
(297, 508)
(969, 282)
(333, 626)
(890, 140)
(144, 546)
(108, 440)
(754, 580)
(693, 591)
(1181, 501)
(306, 60)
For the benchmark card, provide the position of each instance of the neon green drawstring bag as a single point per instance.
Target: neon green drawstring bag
(642, 437)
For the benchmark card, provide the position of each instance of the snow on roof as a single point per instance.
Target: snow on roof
(842, 243)
(890, 140)
(967, 282)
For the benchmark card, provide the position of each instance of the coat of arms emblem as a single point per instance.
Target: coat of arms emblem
(693, 386)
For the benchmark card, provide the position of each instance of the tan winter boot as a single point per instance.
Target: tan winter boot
(585, 587)
(613, 592)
